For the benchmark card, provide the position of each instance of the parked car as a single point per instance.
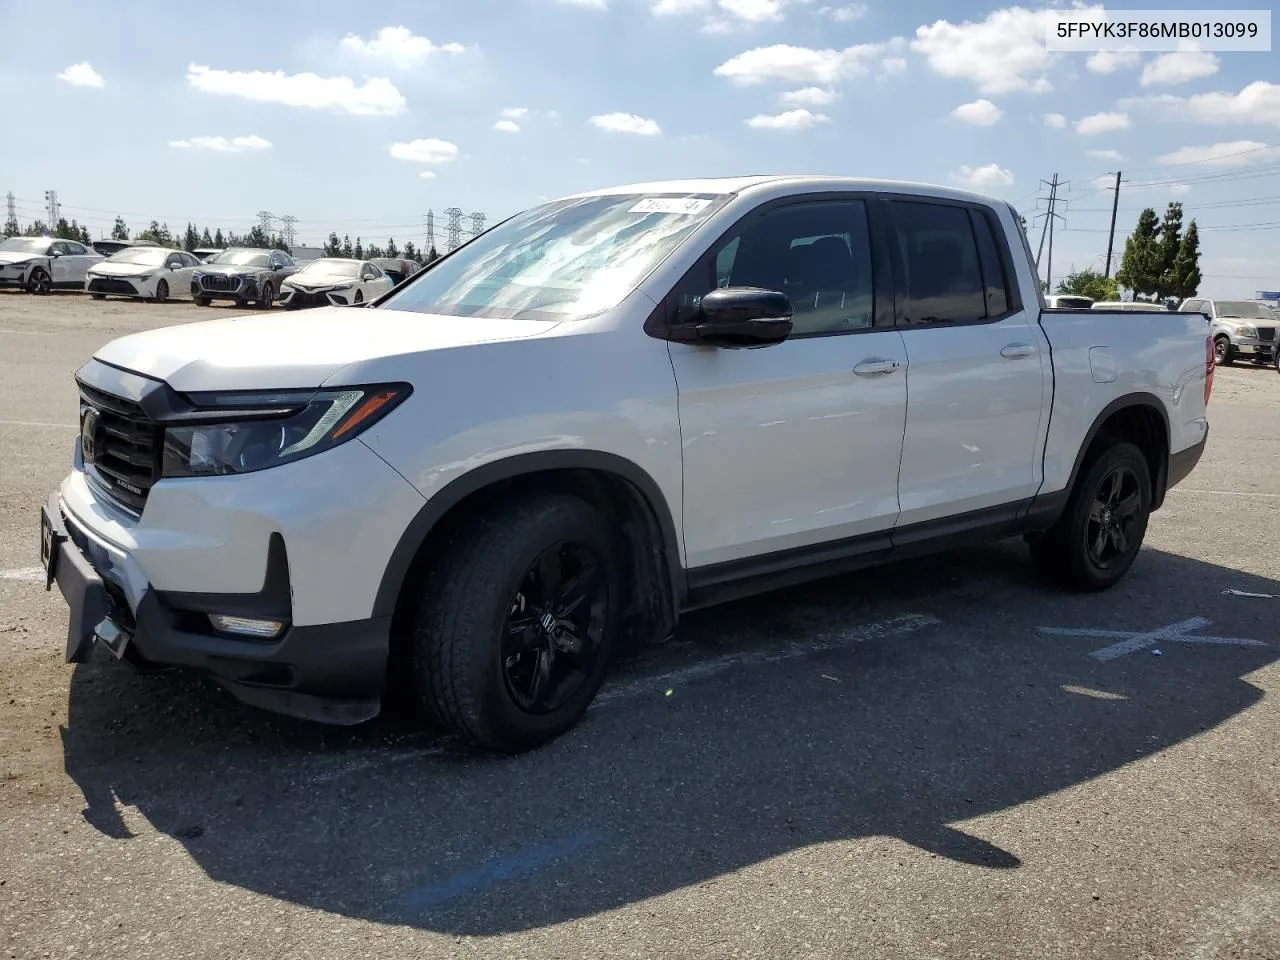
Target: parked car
(1067, 301)
(153, 273)
(399, 269)
(109, 248)
(243, 274)
(204, 253)
(42, 264)
(1241, 328)
(1138, 306)
(568, 431)
(334, 281)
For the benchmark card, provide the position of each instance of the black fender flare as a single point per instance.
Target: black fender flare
(449, 496)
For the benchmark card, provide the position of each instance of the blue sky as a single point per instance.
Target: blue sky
(360, 120)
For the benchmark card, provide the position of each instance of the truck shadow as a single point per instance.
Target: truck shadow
(899, 737)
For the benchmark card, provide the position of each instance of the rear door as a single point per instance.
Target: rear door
(979, 379)
(793, 445)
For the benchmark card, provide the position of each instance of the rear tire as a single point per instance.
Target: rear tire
(1223, 354)
(484, 649)
(1098, 536)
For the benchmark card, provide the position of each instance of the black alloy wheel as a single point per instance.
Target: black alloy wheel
(266, 296)
(162, 291)
(1113, 518)
(555, 628)
(359, 297)
(39, 282)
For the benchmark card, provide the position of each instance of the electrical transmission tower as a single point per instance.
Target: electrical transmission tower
(453, 228)
(430, 221)
(265, 221)
(52, 207)
(11, 213)
(1050, 215)
(477, 224)
(288, 230)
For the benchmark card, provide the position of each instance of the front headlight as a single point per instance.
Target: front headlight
(243, 432)
(196, 275)
(1246, 330)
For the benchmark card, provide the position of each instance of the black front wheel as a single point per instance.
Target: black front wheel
(202, 301)
(266, 297)
(39, 282)
(517, 622)
(1098, 536)
(162, 291)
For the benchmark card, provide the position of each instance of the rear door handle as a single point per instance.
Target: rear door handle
(1016, 351)
(875, 367)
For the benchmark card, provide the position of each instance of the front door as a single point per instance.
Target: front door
(978, 379)
(796, 444)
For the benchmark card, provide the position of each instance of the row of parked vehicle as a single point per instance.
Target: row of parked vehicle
(1242, 329)
(247, 276)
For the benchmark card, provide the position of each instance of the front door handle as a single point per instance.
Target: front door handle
(1016, 351)
(876, 367)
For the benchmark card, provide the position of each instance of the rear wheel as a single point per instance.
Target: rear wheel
(39, 282)
(1100, 532)
(1223, 355)
(162, 291)
(517, 622)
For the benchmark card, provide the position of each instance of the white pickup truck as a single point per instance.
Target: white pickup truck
(602, 412)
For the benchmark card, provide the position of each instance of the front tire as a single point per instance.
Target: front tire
(517, 622)
(39, 282)
(1098, 536)
(1223, 354)
(267, 296)
(162, 292)
(202, 301)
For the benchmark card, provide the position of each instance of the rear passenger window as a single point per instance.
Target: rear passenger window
(995, 285)
(942, 273)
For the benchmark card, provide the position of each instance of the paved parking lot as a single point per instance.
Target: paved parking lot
(943, 758)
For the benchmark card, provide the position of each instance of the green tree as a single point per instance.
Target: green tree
(432, 256)
(1184, 280)
(410, 252)
(38, 228)
(392, 250)
(333, 246)
(206, 241)
(158, 234)
(120, 230)
(1170, 244)
(257, 237)
(11, 226)
(359, 250)
(1141, 265)
(191, 239)
(1090, 283)
(372, 252)
(346, 246)
(219, 240)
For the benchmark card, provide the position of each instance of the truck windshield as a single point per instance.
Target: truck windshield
(1246, 309)
(568, 259)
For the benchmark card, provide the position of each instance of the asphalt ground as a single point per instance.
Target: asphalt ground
(902, 762)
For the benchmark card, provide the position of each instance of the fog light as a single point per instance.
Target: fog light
(246, 626)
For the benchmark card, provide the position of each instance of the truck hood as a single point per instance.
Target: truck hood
(297, 350)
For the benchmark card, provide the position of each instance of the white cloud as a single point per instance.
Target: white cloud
(789, 121)
(988, 175)
(664, 8)
(783, 61)
(809, 97)
(753, 11)
(846, 14)
(1171, 69)
(507, 126)
(249, 144)
(1109, 61)
(81, 75)
(892, 65)
(515, 113)
(1235, 153)
(427, 175)
(1259, 102)
(588, 4)
(377, 96)
(980, 113)
(1055, 120)
(428, 150)
(626, 123)
(1004, 53)
(399, 46)
(1102, 123)
(1114, 155)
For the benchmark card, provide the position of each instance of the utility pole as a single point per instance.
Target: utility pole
(11, 217)
(265, 219)
(1111, 237)
(1053, 196)
(1050, 215)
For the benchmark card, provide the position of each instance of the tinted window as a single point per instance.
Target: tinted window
(818, 254)
(942, 273)
(76, 248)
(995, 284)
(1194, 306)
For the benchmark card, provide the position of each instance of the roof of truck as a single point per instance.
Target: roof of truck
(800, 182)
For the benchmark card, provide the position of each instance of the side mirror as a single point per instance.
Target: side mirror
(742, 317)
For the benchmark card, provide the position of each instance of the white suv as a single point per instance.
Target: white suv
(603, 411)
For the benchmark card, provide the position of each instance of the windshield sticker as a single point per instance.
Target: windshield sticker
(685, 205)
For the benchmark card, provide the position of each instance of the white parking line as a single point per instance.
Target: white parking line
(38, 423)
(1227, 493)
(658, 685)
(1130, 641)
(32, 574)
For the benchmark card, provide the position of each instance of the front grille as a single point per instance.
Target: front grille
(125, 448)
(302, 298)
(1266, 333)
(219, 281)
(111, 285)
